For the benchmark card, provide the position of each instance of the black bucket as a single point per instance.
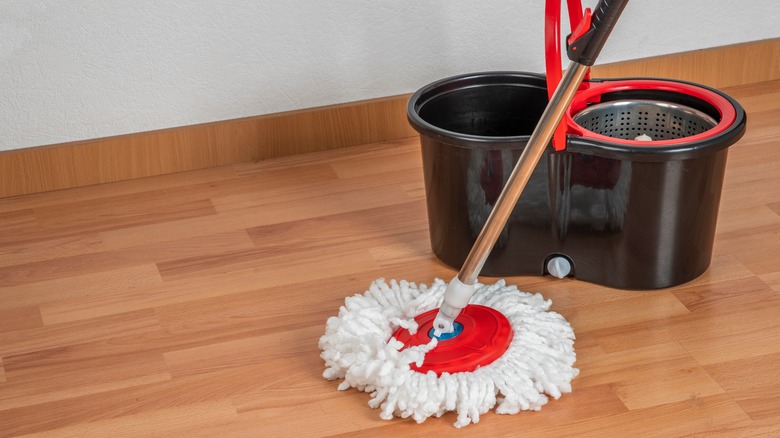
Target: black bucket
(622, 215)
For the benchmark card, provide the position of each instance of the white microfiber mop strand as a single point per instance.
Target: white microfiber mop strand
(355, 347)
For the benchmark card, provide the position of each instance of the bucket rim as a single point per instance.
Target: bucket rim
(462, 82)
(727, 134)
(730, 128)
(727, 113)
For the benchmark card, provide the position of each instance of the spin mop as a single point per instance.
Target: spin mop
(466, 347)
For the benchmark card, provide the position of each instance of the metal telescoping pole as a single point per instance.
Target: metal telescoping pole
(521, 174)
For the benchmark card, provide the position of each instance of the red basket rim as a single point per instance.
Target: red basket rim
(594, 92)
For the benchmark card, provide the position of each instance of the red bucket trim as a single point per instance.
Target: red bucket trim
(593, 94)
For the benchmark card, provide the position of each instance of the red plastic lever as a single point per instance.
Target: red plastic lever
(582, 28)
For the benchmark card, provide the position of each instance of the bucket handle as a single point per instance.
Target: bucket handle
(552, 51)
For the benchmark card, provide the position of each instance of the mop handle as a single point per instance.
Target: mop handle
(584, 45)
(588, 39)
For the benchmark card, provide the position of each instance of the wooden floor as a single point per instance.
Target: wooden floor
(191, 305)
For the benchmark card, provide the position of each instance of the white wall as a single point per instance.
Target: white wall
(79, 69)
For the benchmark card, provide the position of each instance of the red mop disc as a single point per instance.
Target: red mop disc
(485, 336)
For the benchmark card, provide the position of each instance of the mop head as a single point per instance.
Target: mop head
(358, 346)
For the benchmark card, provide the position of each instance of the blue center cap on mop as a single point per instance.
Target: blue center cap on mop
(457, 329)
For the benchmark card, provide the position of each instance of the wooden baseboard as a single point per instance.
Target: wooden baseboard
(201, 146)
(214, 144)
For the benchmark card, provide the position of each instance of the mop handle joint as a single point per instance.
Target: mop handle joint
(586, 42)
